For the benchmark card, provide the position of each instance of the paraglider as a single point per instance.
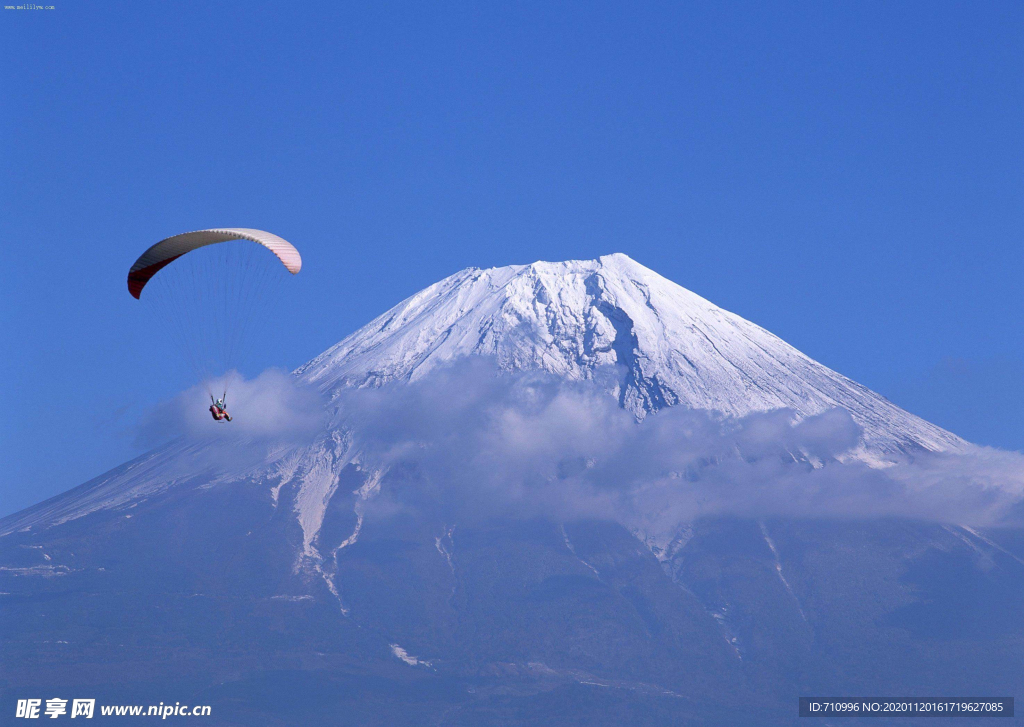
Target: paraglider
(215, 297)
(219, 409)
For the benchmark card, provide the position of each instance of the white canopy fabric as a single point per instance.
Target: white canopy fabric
(170, 249)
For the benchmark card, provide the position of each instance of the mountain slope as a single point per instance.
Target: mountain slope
(572, 318)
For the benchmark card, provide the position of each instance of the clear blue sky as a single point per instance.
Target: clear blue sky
(849, 175)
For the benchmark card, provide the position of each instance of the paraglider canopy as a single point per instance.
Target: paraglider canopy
(216, 300)
(170, 249)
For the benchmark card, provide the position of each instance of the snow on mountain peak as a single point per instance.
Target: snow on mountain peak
(575, 317)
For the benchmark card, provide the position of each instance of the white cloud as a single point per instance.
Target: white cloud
(273, 406)
(531, 445)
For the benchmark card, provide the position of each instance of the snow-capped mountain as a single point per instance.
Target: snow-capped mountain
(304, 581)
(572, 318)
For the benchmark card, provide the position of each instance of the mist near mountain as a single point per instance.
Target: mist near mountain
(532, 444)
(271, 408)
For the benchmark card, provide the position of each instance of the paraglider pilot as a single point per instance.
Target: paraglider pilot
(217, 408)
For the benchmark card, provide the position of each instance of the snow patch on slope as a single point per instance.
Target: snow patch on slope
(408, 658)
(778, 570)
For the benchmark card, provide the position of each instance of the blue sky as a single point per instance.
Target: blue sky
(846, 174)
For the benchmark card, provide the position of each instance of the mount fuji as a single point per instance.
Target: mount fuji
(309, 582)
